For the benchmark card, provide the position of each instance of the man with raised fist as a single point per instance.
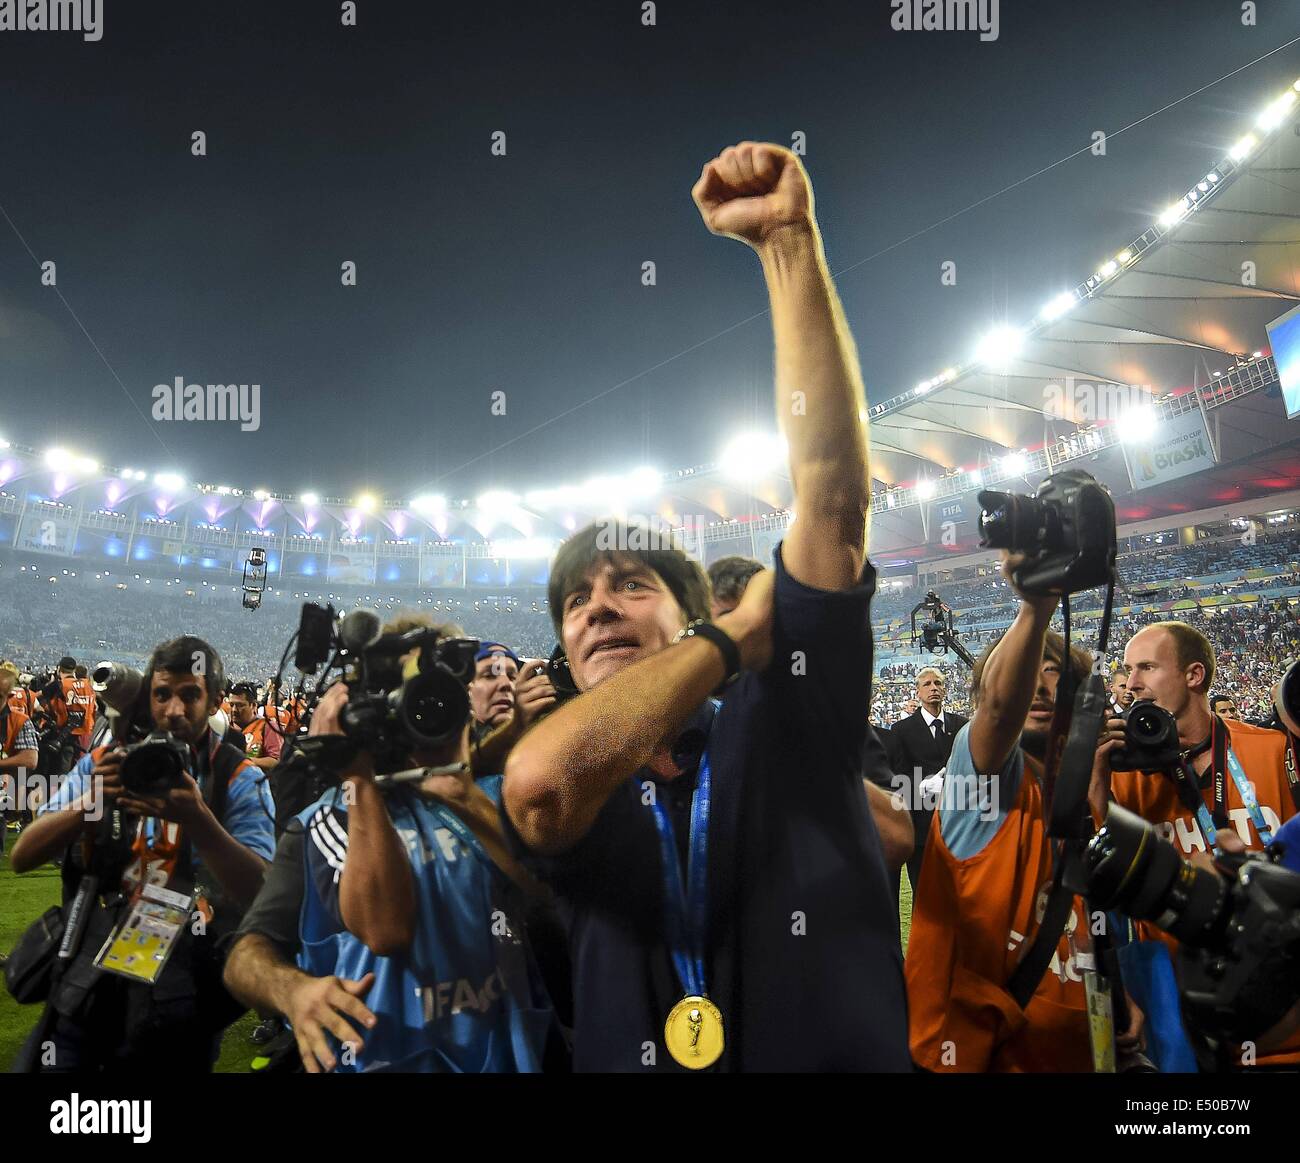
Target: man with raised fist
(717, 863)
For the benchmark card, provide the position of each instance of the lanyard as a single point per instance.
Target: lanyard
(686, 911)
(1225, 763)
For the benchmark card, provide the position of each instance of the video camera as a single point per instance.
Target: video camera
(1239, 924)
(389, 712)
(937, 634)
(1067, 528)
(254, 579)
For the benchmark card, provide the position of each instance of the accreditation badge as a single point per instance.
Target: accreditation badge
(141, 945)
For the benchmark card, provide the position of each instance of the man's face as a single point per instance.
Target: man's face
(1039, 719)
(1151, 660)
(1119, 689)
(179, 702)
(930, 689)
(621, 613)
(241, 710)
(6, 684)
(1225, 708)
(911, 706)
(492, 689)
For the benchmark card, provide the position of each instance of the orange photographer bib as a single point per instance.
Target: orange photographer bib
(1265, 758)
(971, 922)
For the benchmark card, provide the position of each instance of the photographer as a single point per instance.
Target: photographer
(987, 871)
(390, 933)
(18, 751)
(785, 889)
(263, 740)
(1243, 773)
(204, 834)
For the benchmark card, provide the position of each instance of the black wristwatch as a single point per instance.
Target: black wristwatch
(722, 640)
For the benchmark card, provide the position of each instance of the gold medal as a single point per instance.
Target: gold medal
(693, 1032)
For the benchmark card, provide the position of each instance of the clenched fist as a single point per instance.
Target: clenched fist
(752, 190)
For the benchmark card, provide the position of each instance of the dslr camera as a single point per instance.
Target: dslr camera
(1239, 925)
(154, 765)
(1067, 528)
(1150, 740)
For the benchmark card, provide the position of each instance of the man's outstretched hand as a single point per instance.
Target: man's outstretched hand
(753, 190)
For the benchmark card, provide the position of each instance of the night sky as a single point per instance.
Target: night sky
(522, 273)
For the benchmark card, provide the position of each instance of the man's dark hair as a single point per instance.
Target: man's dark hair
(80, 671)
(180, 655)
(67, 662)
(244, 690)
(599, 541)
(1053, 650)
(1221, 697)
(730, 575)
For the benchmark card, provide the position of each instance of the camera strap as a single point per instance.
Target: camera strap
(1060, 900)
(1224, 764)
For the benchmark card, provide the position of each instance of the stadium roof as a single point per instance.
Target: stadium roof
(1170, 322)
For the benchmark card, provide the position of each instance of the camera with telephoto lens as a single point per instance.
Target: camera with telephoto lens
(1067, 528)
(154, 765)
(1239, 924)
(1150, 740)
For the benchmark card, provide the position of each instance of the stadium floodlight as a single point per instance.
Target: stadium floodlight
(1242, 148)
(1013, 464)
(1108, 269)
(429, 503)
(1138, 424)
(169, 482)
(496, 501)
(1124, 257)
(642, 483)
(529, 548)
(311, 500)
(753, 454)
(1275, 112)
(1057, 306)
(925, 489)
(1173, 214)
(975, 478)
(58, 459)
(1000, 346)
(923, 387)
(261, 495)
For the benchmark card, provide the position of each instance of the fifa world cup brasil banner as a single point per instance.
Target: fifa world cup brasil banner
(1181, 448)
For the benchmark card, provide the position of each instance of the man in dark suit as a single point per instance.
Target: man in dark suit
(918, 747)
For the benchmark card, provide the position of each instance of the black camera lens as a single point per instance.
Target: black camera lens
(1146, 724)
(432, 706)
(1287, 700)
(154, 765)
(1131, 869)
(1011, 522)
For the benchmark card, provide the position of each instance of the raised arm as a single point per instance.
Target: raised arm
(760, 194)
(1010, 680)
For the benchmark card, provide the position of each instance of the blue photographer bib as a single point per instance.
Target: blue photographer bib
(467, 997)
